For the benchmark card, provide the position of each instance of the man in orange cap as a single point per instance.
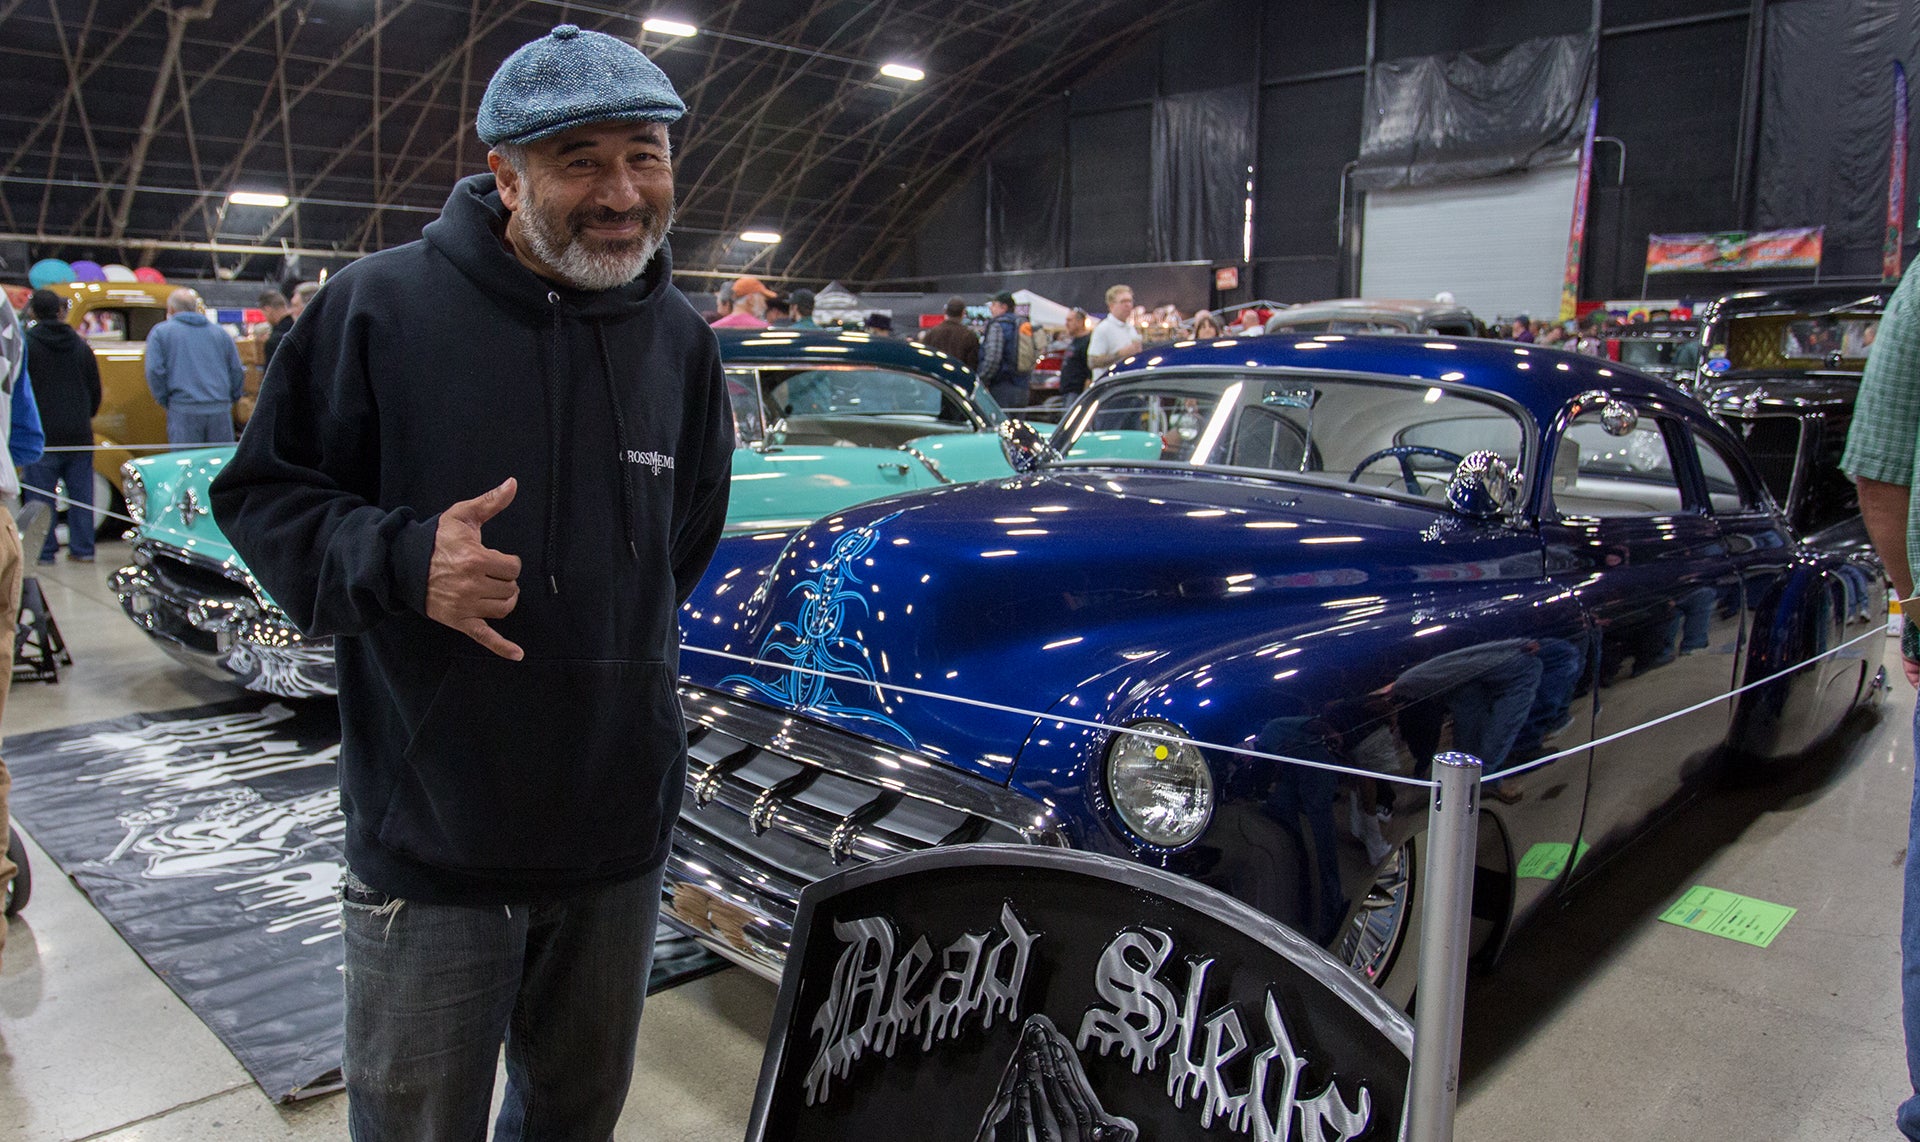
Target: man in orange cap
(750, 296)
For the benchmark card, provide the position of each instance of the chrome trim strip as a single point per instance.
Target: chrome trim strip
(737, 893)
(862, 760)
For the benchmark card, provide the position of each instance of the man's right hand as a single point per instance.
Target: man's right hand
(469, 582)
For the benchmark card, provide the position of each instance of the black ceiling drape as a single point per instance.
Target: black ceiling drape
(1829, 64)
(1026, 195)
(1202, 151)
(1444, 118)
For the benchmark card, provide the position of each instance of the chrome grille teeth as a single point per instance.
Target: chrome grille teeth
(847, 833)
(768, 803)
(707, 785)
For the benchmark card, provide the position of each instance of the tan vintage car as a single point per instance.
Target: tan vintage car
(115, 318)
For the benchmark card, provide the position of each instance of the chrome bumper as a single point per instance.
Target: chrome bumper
(226, 634)
(775, 802)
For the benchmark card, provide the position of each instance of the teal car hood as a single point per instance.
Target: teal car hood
(179, 509)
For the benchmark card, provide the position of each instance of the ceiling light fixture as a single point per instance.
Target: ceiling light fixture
(763, 237)
(669, 28)
(257, 198)
(902, 71)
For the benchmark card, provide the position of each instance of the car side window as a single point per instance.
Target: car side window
(743, 393)
(1598, 475)
(859, 392)
(104, 325)
(1727, 492)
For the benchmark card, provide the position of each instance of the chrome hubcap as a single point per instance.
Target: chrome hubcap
(1378, 926)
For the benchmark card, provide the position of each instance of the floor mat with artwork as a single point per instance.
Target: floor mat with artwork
(209, 838)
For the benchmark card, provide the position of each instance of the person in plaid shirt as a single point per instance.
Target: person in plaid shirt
(1883, 453)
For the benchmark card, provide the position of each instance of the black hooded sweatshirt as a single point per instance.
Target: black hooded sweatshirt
(66, 382)
(428, 374)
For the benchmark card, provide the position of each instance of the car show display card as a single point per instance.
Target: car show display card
(1547, 860)
(1730, 915)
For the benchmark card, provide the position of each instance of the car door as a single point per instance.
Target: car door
(1626, 538)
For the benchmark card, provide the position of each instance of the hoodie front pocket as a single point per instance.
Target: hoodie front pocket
(539, 765)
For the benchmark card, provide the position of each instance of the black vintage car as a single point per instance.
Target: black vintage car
(1669, 350)
(1782, 369)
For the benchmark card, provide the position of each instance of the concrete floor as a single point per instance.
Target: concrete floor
(1600, 1022)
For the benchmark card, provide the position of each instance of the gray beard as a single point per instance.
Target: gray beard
(580, 267)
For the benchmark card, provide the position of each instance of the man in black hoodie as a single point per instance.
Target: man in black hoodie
(520, 400)
(66, 382)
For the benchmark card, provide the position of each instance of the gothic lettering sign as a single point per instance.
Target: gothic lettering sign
(986, 993)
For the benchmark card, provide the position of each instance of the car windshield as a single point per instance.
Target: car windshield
(1792, 341)
(1395, 436)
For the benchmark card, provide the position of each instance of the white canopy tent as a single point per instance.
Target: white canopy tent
(1041, 311)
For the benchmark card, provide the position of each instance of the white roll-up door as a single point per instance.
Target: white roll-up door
(1498, 244)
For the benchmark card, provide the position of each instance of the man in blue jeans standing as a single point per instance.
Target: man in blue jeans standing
(520, 399)
(1883, 457)
(194, 370)
(66, 381)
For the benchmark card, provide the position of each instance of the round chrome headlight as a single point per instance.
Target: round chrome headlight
(1162, 788)
(133, 488)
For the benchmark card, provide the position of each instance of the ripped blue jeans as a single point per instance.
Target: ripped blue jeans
(434, 989)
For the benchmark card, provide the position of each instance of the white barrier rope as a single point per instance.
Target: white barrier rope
(1876, 632)
(1086, 723)
(881, 687)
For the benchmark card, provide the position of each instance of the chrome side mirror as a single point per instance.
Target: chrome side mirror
(1616, 417)
(1483, 487)
(776, 435)
(1025, 448)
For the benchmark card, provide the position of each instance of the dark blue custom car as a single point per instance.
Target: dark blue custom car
(1352, 550)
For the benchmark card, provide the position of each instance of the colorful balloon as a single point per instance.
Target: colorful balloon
(149, 274)
(118, 273)
(89, 272)
(49, 271)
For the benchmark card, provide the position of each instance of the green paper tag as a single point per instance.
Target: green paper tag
(1547, 860)
(1726, 914)
(1544, 861)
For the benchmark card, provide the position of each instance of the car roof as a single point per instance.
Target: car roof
(102, 295)
(1799, 298)
(833, 346)
(1357, 306)
(1655, 329)
(1541, 380)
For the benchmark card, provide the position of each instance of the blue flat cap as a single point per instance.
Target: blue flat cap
(570, 77)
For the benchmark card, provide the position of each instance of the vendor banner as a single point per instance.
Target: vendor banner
(1734, 250)
(1896, 180)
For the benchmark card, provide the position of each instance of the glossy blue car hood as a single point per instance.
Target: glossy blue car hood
(1016, 594)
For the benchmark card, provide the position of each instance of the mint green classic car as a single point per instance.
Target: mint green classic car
(822, 421)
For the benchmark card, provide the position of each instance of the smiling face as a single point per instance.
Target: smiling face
(591, 205)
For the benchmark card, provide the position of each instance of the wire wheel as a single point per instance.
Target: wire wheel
(1379, 926)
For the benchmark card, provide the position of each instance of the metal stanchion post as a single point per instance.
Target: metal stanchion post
(1446, 918)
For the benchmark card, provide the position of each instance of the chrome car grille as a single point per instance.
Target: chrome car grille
(194, 578)
(774, 802)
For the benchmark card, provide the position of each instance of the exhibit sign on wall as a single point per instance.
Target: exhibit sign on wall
(1000, 992)
(1734, 250)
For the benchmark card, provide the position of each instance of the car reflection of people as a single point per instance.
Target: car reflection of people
(1506, 699)
(1488, 690)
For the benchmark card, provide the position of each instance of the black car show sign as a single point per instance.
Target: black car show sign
(986, 993)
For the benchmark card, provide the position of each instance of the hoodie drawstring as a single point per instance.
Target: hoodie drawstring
(619, 440)
(556, 408)
(556, 417)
